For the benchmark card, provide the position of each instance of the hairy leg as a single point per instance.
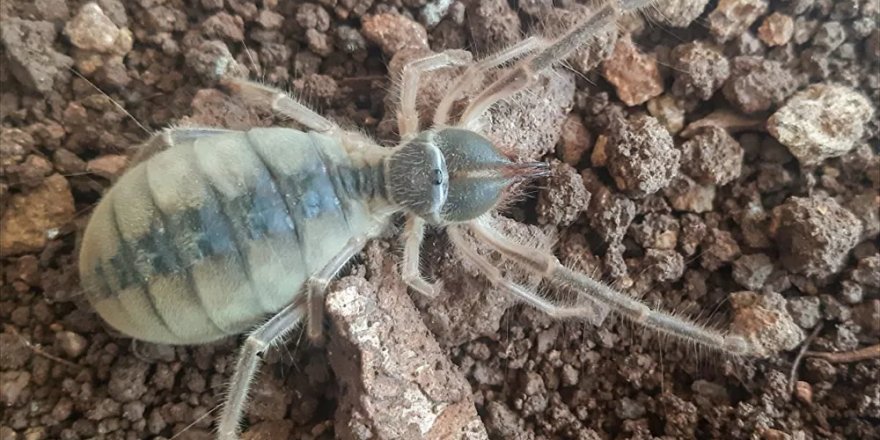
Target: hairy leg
(562, 277)
(588, 310)
(268, 334)
(413, 234)
(528, 70)
(317, 286)
(280, 102)
(477, 71)
(407, 113)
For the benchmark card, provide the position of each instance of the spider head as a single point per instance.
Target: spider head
(453, 175)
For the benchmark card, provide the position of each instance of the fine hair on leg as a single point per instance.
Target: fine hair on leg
(272, 332)
(407, 113)
(631, 308)
(413, 235)
(280, 103)
(476, 72)
(528, 70)
(587, 310)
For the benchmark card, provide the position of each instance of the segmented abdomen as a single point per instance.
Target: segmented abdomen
(206, 238)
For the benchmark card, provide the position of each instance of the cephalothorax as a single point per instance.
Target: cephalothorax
(212, 230)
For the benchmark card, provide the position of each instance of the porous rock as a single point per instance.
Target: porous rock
(31, 217)
(712, 157)
(395, 380)
(756, 84)
(822, 121)
(564, 197)
(700, 69)
(814, 234)
(492, 24)
(642, 158)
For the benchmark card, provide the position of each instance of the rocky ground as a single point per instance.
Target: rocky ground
(717, 159)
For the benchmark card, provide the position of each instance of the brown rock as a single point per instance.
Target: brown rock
(634, 74)
(393, 32)
(686, 195)
(733, 17)
(109, 166)
(776, 30)
(642, 158)
(395, 380)
(564, 197)
(762, 319)
(575, 140)
(712, 157)
(814, 234)
(492, 24)
(32, 218)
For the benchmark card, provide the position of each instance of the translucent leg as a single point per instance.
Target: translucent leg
(170, 137)
(413, 233)
(317, 286)
(589, 311)
(407, 113)
(477, 71)
(280, 102)
(268, 334)
(562, 277)
(527, 71)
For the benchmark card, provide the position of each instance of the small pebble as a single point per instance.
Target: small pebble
(712, 156)
(776, 30)
(804, 310)
(823, 121)
(574, 140)
(31, 217)
(634, 74)
(700, 69)
(642, 158)
(676, 13)
(393, 32)
(814, 234)
(752, 271)
(684, 194)
(564, 198)
(762, 319)
(733, 17)
(756, 84)
(71, 343)
(109, 166)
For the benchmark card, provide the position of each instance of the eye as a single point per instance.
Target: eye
(437, 177)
